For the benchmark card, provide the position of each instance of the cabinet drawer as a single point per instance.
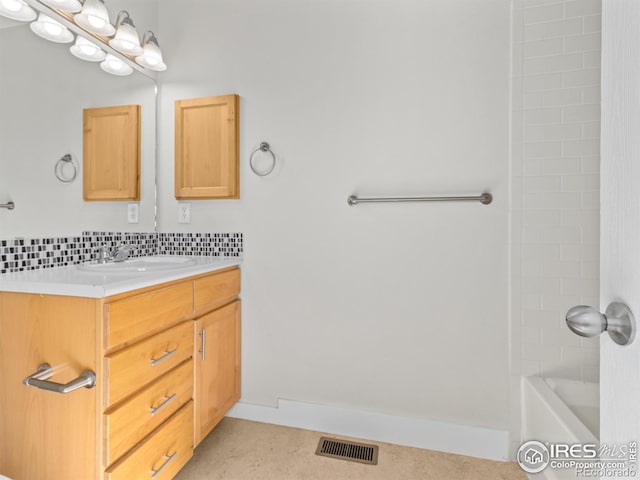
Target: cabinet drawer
(129, 369)
(130, 422)
(135, 317)
(216, 290)
(162, 455)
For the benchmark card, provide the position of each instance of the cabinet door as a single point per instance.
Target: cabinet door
(111, 153)
(217, 367)
(206, 146)
(46, 435)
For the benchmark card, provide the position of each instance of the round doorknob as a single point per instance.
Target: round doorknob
(586, 321)
(617, 320)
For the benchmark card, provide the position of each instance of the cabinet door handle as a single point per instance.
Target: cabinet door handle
(164, 403)
(165, 355)
(155, 473)
(86, 379)
(203, 351)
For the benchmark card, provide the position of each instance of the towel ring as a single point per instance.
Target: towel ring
(59, 169)
(264, 147)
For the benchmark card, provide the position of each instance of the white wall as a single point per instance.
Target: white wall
(43, 90)
(399, 309)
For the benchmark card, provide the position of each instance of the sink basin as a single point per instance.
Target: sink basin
(138, 265)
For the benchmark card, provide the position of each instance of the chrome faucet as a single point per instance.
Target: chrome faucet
(121, 252)
(118, 254)
(103, 255)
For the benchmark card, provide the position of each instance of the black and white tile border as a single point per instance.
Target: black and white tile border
(34, 253)
(201, 244)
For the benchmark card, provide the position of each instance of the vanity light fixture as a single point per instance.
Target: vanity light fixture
(115, 66)
(117, 48)
(71, 6)
(151, 58)
(86, 50)
(126, 40)
(17, 10)
(94, 18)
(50, 29)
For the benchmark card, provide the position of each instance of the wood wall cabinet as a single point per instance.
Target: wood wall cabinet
(148, 400)
(207, 148)
(111, 153)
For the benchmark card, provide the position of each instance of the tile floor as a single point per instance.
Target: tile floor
(244, 450)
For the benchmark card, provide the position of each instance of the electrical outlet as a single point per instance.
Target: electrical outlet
(184, 213)
(133, 213)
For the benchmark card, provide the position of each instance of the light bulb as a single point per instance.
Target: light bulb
(49, 29)
(53, 29)
(94, 17)
(17, 10)
(115, 66)
(13, 5)
(96, 22)
(86, 50)
(126, 39)
(151, 57)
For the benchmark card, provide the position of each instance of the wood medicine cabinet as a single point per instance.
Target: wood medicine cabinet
(111, 153)
(206, 165)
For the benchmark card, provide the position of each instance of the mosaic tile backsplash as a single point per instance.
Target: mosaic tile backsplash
(33, 253)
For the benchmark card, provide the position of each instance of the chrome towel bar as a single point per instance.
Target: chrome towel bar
(484, 198)
(8, 205)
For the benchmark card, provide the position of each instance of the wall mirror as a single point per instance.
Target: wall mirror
(43, 91)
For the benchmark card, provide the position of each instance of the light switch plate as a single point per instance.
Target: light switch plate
(184, 212)
(133, 213)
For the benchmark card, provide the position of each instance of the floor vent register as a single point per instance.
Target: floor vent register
(350, 451)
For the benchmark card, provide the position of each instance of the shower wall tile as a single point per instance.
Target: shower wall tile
(582, 8)
(556, 130)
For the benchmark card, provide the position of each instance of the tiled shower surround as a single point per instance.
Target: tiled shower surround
(35, 253)
(555, 184)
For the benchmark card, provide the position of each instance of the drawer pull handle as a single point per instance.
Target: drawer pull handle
(166, 400)
(86, 379)
(155, 473)
(203, 352)
(165, 355)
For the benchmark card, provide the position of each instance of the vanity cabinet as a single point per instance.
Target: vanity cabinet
(153, 388)
(44, 435)
(217, 349)
(217, 364)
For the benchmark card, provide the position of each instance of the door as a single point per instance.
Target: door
(620, 215)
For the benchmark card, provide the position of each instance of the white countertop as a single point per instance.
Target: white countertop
(73, 282)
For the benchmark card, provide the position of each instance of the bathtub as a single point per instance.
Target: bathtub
(559, 411)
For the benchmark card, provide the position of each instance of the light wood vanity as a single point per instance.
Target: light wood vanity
(167, 365)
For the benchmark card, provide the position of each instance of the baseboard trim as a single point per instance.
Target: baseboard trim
(478, 442)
